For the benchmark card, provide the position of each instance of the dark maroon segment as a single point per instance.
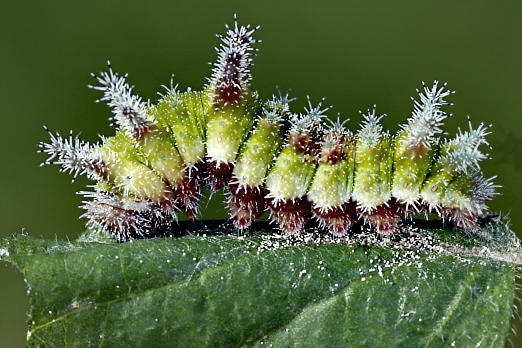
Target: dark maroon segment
(337, 220)
(97, 166)
(385, 218)
(218, 176)
(416, 149)
(230, 82)
(409, 210)
(291, 215)
(305, 142)
(140, 127)
(189, 192)
(246, 204)
(333, 150)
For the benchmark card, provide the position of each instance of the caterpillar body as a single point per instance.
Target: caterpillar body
(266, 157)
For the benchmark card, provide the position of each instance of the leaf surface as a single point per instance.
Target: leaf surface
(424, 288)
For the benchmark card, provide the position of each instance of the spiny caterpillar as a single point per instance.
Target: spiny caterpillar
(267, 158)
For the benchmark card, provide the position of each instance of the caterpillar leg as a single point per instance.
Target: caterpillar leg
(188, 192)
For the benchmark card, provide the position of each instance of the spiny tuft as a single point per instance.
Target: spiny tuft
(129, 111)
(231, 73)
(427, 116)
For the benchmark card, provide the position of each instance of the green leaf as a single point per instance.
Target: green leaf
(424, 287)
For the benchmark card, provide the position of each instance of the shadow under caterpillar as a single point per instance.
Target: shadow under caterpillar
(266, 157)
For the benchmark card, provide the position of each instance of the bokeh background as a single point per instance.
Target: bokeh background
(353, 53)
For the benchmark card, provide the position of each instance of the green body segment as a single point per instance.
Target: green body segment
(128, 171)
(333, 183)
(162, 156)
(439, 178)
(436, 183)
(182, 115)
(458, 193)
(411, 165)
(227, 126)
(373, 172)
(258, 153)
(291, 174)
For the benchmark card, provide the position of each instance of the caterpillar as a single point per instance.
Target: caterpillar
(298, 166)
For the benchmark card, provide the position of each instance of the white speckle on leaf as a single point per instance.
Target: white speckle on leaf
(4, 252)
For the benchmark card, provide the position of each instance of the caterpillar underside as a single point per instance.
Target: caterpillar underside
(295, 165)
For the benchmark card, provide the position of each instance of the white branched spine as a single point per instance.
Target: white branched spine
(463, 152)
(129, 110)
(483, 191)
(318, 113)
(231, 72)
(277, 109)
(73, 155)
(427, 117)
(371, 128)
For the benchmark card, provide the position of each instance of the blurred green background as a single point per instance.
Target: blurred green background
(354, 53)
